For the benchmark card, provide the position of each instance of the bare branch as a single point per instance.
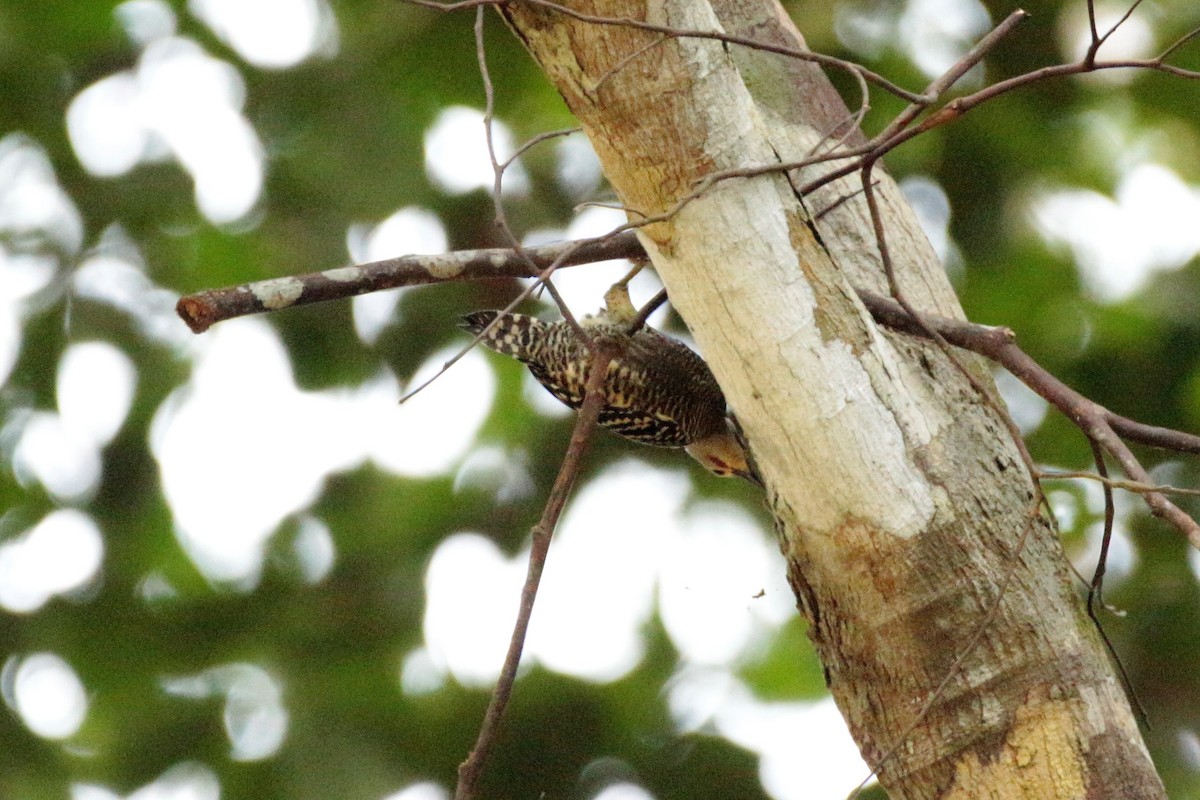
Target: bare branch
(1178, 43)
(204, 309)
(1095, 595)
(951, 76)
(501, 218)
(1095, 591)
(999, 345)
(1152, 435)
(536, 140)
(1098, 41)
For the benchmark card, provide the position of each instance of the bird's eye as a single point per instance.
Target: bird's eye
(718, 466)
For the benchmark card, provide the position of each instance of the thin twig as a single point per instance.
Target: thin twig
(896, 135)
(1178, 43)
(470, 771)
(1098, 41)
(1095, 595)
(498, 169)
(536, 140)
(944, 82)
(501, 220)
(1096, 590)
(892, 136)
(1117, 483)
(1093, 29)
(644, 313)
(542, 280)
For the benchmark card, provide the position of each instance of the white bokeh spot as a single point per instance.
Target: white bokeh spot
(933, 34)
(1119, 243)
(57, 555)
(146, 20)
(254, 716)
(1027, 408)
(114, 274)
(805, 749)
(624, 791)
(22, 276)
(32, 204)
(241, 447)
(95, 388)
(722, 590)
(46, 693)
(314, 549)
(471, 593)
(425, 790)
(435, 429)
(181, 101)
(274, 34)
(409, 231)
(600, 590)
(48, 454)
(456, 153)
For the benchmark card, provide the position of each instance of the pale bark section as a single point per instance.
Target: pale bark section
(834, 423)
(899, 498)
(803, 115)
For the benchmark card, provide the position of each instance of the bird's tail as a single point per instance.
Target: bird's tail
(513, 334)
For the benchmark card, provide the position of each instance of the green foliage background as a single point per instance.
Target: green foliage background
(344, 137)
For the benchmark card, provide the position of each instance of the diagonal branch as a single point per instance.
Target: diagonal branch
(470, 771)
(1097, 422)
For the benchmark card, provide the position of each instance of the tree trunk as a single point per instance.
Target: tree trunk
(900, 499)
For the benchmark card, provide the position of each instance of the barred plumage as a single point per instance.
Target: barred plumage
(659, 391)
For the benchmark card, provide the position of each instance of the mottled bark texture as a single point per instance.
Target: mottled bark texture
(899, 496)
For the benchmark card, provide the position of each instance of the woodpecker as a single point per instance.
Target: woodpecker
(658, 392)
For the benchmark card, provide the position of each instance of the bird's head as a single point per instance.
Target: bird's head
(722, 454)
